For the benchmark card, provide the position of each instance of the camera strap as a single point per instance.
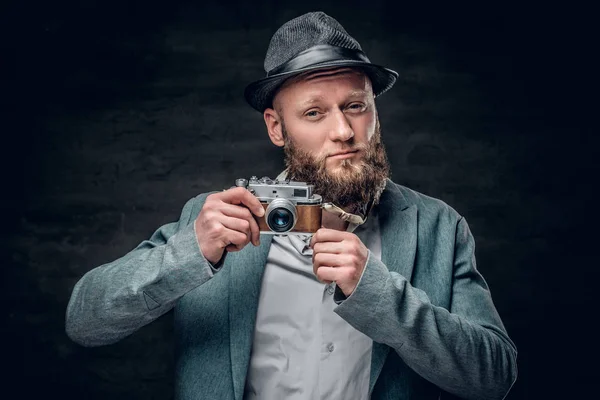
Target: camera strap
(344, 216)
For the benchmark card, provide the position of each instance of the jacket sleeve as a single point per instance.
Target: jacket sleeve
(114, 300)
(464, 350)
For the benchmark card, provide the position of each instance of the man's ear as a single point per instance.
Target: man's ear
(274, 127)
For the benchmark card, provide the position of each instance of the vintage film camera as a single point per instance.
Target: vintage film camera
(290, 207)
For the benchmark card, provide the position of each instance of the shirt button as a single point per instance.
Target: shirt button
(330, 288)
(330, 347)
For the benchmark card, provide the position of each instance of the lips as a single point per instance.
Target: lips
(344, 153)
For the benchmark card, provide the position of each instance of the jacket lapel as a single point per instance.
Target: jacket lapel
(398, 227)
(247, 267)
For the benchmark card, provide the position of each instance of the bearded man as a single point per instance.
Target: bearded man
(384, 301)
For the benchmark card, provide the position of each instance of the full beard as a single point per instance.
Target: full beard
(352, 184)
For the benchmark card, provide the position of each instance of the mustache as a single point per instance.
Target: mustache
(357, 147)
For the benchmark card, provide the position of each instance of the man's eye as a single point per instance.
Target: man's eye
(312, 113)
(356, 106)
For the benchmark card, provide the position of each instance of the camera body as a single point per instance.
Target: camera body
(290, 206)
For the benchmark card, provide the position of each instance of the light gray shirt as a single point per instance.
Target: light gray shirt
(302, 350)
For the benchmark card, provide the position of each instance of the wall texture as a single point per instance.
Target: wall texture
(118, 112)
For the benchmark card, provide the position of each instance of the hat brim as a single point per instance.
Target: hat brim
(259, 94)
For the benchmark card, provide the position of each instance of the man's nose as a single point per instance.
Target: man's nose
(341, 129)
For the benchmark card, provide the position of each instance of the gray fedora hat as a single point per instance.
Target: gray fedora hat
(312, 41)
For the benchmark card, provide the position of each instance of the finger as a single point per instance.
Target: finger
(329, 260)
(240, 195)
(329, 247)
(328, 235)
(328, 274)
(232, 248)
(230, 236)
(236, 224)
(243, 213)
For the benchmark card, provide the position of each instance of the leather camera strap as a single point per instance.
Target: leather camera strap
(344, 216)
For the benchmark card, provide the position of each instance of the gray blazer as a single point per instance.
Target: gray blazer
(428, 310)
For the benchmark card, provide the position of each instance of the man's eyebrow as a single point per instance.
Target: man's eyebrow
(358, 93)
(354, 93)
(311, 101)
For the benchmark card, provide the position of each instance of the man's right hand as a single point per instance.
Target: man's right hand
(226, 223)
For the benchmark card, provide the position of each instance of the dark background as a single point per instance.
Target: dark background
(117, 112)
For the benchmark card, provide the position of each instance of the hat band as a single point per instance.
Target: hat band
(317, 55)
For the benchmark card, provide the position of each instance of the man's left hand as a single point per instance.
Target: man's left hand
(338, 256)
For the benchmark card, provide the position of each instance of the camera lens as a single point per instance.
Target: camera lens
(280, 220)
(281, 215)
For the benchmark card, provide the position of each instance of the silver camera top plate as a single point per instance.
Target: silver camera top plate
(267, 190)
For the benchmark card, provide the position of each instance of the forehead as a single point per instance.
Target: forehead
(350, 79)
